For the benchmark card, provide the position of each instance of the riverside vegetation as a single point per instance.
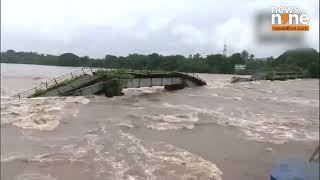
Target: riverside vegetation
(305, 61)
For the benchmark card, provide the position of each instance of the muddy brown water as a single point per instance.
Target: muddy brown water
(219, 131)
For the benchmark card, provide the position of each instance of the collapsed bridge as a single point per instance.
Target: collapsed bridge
(88, 81)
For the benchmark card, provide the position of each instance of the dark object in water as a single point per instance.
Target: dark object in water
(273, 75)
(295, 169)
(36, 78)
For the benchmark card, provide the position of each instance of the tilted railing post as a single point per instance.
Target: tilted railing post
(315, 155)
(47, 84)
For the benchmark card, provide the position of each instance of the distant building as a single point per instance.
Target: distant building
(261, 59)
(239, 67)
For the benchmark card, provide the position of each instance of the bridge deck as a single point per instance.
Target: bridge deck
(85, 79)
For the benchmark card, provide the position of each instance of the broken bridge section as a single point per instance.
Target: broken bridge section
(110, 82)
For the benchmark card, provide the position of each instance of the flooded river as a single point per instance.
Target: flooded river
(219, 131)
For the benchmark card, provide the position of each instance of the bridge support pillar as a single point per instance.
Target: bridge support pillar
(174, 87)
(113, 88)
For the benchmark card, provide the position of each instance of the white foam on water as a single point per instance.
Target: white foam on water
(255, 82)
(119, 155)
(187, 108)
(217, 84)
(77, 99)
(143, 90)
(214, 95)
(132, 108)
(35, 176)
(11, 157)
(42, 158)
(204, 95)
(188, 117)
(296, 100)
(169, 126)
(233, 98)
(171, 161)
(126, 125)
(37, 113)
(259, 126)
(172, 122)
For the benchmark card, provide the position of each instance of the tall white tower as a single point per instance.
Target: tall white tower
(225, 49)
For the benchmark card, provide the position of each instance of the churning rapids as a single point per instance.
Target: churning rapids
(218, 131)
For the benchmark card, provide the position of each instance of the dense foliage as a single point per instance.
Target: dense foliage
(303, 60)
(306, 61)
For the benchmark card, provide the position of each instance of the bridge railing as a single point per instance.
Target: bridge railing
(155, 71)
(53, 82)
(194, 76)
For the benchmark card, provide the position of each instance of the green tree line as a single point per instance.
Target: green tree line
(302, 60)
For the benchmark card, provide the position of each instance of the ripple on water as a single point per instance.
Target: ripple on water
(171, 122)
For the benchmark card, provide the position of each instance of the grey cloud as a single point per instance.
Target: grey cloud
(125, 27)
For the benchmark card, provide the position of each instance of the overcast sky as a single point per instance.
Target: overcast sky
(121, 27)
